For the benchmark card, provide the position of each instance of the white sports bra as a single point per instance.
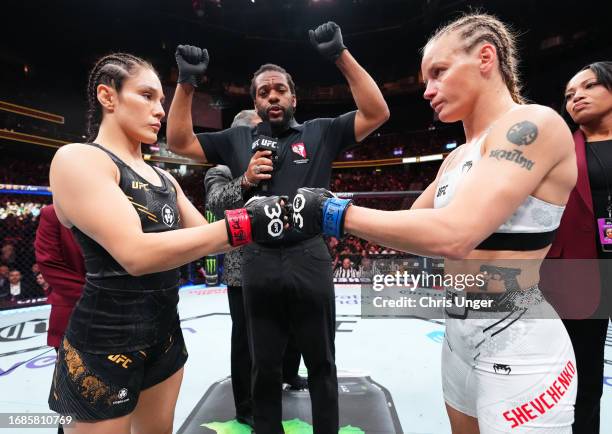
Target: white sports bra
(533, 216)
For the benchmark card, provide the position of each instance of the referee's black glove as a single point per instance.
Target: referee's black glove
(192, 63)
(327, 39)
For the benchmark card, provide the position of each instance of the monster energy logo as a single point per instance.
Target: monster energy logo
(210, 217)
(211, 265)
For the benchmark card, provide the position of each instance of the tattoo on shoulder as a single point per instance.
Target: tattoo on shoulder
(514, 156)
(522, 133)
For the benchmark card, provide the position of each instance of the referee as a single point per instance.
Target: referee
(224, 192)
(287, 285)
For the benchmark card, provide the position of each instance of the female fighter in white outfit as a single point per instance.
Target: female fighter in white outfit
(492, 210)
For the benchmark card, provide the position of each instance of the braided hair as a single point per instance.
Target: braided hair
(111, 70)
(475, 28)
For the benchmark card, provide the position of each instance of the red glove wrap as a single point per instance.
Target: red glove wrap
(238, 225)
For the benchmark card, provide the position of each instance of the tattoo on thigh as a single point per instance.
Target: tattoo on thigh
(522, 133)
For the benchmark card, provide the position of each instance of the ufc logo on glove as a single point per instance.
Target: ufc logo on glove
(275, 227)
(299, 201)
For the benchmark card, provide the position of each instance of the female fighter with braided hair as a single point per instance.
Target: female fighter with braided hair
(120, 365)
(492, 210)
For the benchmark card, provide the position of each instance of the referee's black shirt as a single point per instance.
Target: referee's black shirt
(305, 153)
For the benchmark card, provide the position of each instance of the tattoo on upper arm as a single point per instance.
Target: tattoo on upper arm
(514, 156)
(522, 133)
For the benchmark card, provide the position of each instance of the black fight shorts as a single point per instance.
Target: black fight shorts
(94, 387)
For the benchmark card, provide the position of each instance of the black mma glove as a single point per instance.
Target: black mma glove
(327, 39)
(262, 219)
(192, 63)
(317, 210)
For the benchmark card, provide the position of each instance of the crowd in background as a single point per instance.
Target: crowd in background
(388, 145)
(22, 172)
(19, 276)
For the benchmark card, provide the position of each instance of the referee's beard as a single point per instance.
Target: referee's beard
(279, 124)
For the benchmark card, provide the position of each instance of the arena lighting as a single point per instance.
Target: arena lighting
(553, 41)
(29, 138)
(39, 190)
(451, 145)
(31, 112)
(197, 7)
(423, 158)
(433, 157)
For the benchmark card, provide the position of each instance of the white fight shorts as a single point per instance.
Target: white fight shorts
(514, 370)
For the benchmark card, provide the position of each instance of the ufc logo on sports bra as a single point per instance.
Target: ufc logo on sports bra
(137, 185)
(442, 191)
(120, 359)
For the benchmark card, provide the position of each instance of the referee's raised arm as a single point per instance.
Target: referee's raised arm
(372, 110)
(192, 63)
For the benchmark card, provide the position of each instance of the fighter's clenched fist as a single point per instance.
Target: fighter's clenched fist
(317, 210)
(262, 219)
